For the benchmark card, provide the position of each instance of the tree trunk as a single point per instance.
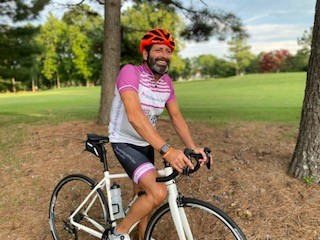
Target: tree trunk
(13, 82)
(58, 82)
(111, 57)
(32, 85)
(306, 158)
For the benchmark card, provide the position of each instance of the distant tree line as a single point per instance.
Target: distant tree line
(68, 51)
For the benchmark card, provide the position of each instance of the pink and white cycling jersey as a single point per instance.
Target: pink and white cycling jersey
(153, 99)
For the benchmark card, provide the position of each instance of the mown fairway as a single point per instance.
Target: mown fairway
(260, 97)
(51, 106)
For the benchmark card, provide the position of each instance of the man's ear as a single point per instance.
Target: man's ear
(145, 54)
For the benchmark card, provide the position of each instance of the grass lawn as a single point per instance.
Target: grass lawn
(51, 106)
(258, 97)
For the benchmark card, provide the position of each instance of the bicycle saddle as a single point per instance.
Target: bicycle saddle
(95, 137)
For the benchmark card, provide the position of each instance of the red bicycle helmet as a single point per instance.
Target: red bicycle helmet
(157, 36)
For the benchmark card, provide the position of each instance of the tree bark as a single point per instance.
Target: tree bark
(58, 81)
(111, 57)
(306, 158)
(13, 82)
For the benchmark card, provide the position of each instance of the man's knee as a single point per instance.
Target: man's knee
(158, 195)
(156, 192)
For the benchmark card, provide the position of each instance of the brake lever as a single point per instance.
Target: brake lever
(186, 172)
(208, 153)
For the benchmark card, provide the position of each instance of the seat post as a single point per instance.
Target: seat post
(104, 158)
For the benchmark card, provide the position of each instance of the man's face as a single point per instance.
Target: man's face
(159, 58)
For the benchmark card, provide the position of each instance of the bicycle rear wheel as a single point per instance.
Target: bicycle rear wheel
(66, 197)
(206, 222)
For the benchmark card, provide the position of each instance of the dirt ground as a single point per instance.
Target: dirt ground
(249, 178)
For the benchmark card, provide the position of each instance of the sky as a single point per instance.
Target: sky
(271, 24)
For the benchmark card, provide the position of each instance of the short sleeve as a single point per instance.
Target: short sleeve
(172, 95)
(128, 79)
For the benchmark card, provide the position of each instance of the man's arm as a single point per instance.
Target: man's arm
(180, 124)
(139, 120)
(182, 128)
(146, 130)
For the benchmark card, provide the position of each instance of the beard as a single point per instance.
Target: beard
(156, 68)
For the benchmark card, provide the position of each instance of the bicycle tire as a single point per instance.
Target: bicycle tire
(206, 221)
(66, 197)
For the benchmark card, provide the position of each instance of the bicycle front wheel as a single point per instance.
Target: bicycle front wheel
(66, 198)
(206, 222)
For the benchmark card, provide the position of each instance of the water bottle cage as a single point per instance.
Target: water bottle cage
(118, 208)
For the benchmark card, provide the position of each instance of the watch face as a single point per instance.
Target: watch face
(165, 149)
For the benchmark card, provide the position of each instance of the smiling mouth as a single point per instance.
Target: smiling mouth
(162, 62)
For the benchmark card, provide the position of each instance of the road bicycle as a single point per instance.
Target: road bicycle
(79, 209)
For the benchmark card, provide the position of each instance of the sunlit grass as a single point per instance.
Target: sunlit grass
(255, 98)
(52, 106)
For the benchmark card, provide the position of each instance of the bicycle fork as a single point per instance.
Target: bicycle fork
(177, 212)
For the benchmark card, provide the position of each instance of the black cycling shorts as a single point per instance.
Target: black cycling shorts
(135, 160)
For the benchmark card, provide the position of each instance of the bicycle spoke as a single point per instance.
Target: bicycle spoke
(66, 200)
(205, 224)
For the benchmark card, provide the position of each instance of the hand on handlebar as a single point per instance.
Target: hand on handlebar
(189, 154)
(206, 153)
(178, 160)
(204, 159)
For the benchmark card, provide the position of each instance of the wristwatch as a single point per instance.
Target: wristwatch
(165, 149)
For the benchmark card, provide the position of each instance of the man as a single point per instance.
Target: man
(142, 93)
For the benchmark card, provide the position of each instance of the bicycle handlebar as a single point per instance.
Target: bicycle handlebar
(187, 171)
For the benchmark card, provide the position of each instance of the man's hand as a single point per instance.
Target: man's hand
(204, 156)
(178, 160)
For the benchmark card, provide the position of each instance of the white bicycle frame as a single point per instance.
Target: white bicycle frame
(178, 215)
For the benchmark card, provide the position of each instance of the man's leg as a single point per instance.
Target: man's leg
(144, 221)
(155, 194)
